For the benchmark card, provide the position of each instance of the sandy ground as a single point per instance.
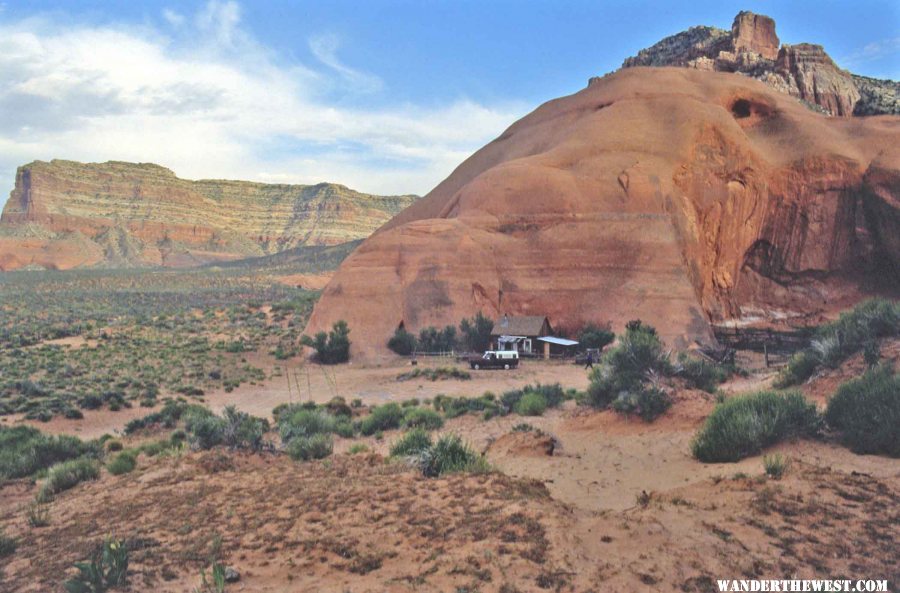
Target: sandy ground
(589, 501)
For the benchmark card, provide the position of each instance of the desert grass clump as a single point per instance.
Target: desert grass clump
(744, 425)
(7, 545)
(123, 463)
(866, 412)
(775, 465)
(38, 514)
(451, 455)
(66, 475)
(412, 443)
(305, 448)
(424, 418)
(357, 448)
(380, 418)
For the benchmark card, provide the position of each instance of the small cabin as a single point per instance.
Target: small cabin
(520, 333)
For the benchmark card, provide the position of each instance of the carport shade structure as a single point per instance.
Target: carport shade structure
(553, 340)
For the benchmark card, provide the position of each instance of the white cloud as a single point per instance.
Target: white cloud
(176, 19)
(208, 100)
(325, 47)
(873, 51)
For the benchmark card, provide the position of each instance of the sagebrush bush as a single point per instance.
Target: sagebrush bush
(624, 370)
(305, 448)
(453, 407)
(240, 430)
(450, 455)
(866, 412)
(531, 403)
(424, 418)
(855, 330)
(648, 402)
(122, 463)
(305, 423)
(744, 425)
(384, 417)
(206, 432)
(25, 450)
(66, 475)
(801, 367)
(701, 373)
(412, 443)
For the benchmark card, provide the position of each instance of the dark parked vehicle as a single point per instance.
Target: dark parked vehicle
(495, 359)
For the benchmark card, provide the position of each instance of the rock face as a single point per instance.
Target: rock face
(752, 48)
(64, 214)
(677, 196)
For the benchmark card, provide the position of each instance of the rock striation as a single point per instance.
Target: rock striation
(679, 196)
(64, 214)
(752, 48)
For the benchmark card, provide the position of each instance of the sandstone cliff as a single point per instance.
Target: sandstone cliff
(64, 214)
(752, 48)
(678, 196)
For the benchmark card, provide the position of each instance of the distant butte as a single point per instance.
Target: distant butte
(64, 214)
(752, 48)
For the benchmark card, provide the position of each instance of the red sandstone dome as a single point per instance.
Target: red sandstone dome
(681, 197)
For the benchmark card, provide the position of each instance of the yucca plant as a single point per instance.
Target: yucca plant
(107, 568)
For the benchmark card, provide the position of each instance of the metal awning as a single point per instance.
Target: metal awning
(507, 339)
(558, 341)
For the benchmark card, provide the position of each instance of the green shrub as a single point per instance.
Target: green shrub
(66, 475)
(523, 427)
(305, 423)
(333, 347)
(38, 514)
(800, 367)
(625, 369)
(450, 455)
(241, 430)
(746, 424)
(422, 418)
(648, 402)
(531, 404)
(106, 569)
(206, 432)
(304, 448)
(700, 373)
(113, 446)
(25, 450)
(855, 330)
(402, 342)
(453, 407)
(345, 429)
(412, 443)
(380, 418)
(866, 412)
(122, 463)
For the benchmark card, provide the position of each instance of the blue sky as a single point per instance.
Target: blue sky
(383, 96)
